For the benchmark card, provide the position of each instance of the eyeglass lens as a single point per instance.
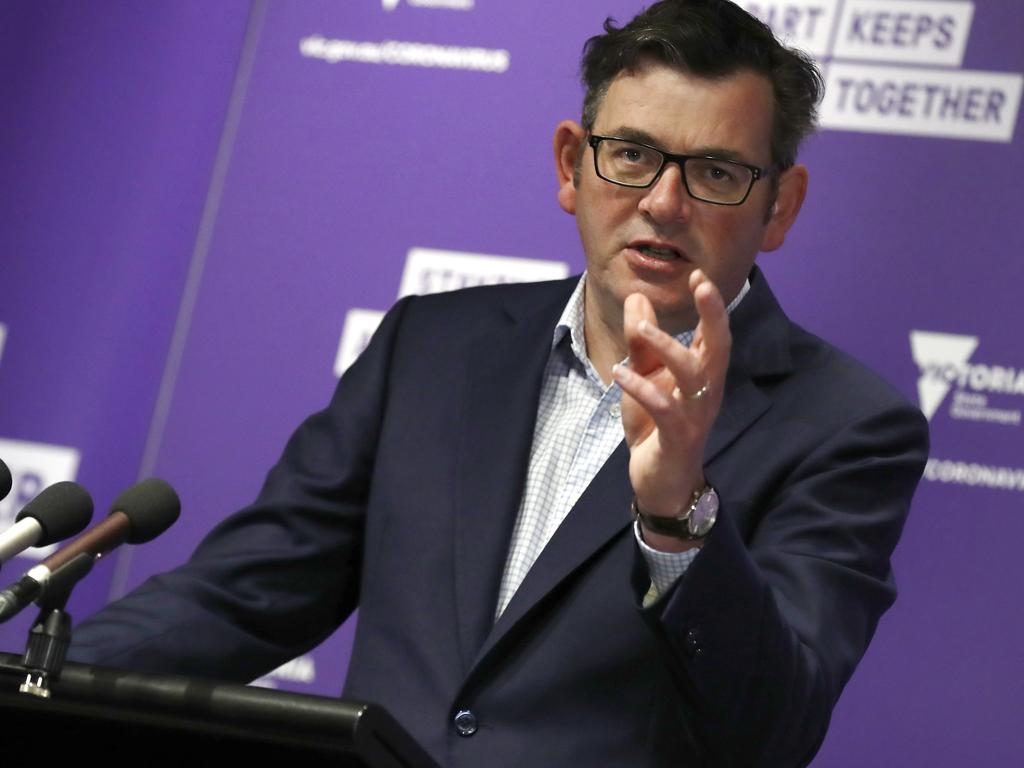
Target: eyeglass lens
(717, 181)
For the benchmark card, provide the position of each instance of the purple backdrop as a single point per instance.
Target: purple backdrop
(204, 209)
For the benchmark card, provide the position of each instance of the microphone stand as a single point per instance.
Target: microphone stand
(50, 636)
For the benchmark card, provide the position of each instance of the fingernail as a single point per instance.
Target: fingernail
(646, 328)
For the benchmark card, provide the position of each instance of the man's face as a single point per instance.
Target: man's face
(650, 240)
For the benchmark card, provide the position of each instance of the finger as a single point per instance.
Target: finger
(658, 409)
(712, 340)
(681, 362)
(656, 401)
(636, 310)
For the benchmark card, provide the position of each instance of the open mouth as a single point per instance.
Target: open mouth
(662, 254)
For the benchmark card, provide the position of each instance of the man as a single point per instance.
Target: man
(469, 489)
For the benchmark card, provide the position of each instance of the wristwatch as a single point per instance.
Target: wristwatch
(694, 522)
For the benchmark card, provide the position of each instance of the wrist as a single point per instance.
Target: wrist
(672, 504)
(693, 523)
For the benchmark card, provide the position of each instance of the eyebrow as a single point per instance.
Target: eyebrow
(643, 137)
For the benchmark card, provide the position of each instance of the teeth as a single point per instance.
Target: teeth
(659, 253)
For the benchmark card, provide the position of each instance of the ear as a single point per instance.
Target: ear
(792, 188)
(569, 138)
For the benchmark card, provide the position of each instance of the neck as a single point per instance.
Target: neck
(605, 335)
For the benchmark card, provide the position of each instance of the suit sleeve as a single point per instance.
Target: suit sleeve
(766, 626)
(273, 580)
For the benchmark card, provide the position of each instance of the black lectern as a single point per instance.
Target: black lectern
(105, 714)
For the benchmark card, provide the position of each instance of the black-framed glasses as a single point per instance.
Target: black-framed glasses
(710, 179)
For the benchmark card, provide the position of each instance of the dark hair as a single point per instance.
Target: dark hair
(712, 39)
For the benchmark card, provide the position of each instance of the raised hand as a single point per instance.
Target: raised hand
(671, 397)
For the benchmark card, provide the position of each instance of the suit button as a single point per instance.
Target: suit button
(465, 722)
(691, 643)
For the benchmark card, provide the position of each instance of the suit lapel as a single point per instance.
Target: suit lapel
(760, 349)
(601, 513)
(743, 405)
(505, 369)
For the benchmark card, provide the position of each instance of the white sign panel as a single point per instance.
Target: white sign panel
(428, 270)
(905, 31)
(908, 100)
(803, 24)
(432, 271)
(34, 466)
(359, 327)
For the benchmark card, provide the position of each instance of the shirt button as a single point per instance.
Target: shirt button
(615, 411)
(465, 722)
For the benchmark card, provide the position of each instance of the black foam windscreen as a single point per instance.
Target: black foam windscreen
(151, 505)
(5, 480)
(62, 509)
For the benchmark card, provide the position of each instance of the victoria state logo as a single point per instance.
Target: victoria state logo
(944, 362)
(937, 355)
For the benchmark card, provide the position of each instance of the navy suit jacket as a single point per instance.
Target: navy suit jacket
(400, 498)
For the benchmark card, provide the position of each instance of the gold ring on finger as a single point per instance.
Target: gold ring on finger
(679, 394)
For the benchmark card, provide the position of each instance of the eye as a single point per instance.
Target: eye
(719, 173)
(626, 162)
(633, 155)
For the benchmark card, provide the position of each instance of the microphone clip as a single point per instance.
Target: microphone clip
(50, 636)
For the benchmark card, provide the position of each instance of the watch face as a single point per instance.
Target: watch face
(704, 513)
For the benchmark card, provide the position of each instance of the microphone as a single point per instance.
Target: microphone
(139, 514)
(5, 480)
(60, 511)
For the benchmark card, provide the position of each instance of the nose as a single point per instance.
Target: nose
(667, 199)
